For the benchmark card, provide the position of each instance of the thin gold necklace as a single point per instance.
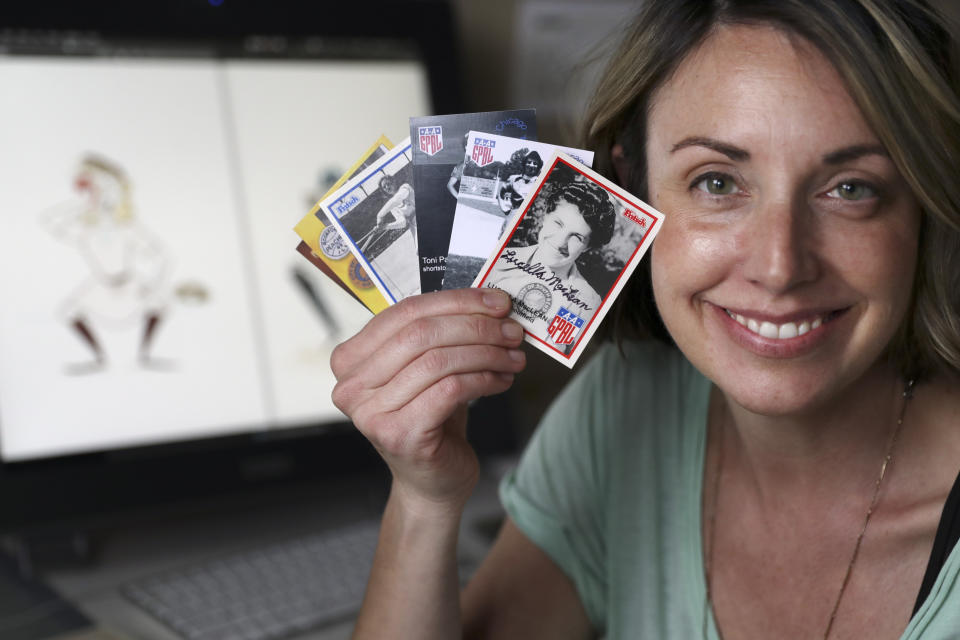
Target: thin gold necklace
(708, 564)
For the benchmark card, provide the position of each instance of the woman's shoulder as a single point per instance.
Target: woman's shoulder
(933, 417)
(640, 357)
(649, 373)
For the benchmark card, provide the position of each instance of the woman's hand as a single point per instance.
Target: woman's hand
(405, 380)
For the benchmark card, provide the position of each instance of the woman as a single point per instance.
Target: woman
(785, 472)
(453, 184)
(401, 206)
(543, 277)
(519, 184)
(516, 188)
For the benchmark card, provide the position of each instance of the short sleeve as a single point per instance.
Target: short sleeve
(556, 494)
(610, 488)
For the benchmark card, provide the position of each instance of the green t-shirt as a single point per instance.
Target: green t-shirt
(610, 488)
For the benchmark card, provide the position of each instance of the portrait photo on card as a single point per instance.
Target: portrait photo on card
(499, 173)
(568, 255)
(439, 146)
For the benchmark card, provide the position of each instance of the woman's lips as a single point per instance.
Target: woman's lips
(783, 331)
(779, 337)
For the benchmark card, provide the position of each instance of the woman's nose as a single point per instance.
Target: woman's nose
(780, 247)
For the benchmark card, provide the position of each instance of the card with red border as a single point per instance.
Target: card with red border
(569, 254)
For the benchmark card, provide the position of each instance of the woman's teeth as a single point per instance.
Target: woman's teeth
(783, 331)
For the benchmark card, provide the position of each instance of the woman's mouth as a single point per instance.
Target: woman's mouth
(784, 336)
(786, 330)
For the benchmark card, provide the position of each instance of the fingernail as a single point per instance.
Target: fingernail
(507, 377)
(517, 354)
(496, 299)
(511, 330)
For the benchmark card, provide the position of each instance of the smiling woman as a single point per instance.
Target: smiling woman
(895, 60)
(786, 212)
(784, 461)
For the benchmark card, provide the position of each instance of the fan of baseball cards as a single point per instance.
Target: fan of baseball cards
(474, 200)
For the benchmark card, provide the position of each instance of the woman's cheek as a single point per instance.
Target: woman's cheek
(691, 255)
(668, 265)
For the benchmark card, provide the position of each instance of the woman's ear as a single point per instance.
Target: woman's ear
(620, 164)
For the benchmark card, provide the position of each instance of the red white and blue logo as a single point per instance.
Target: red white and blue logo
(483, 151)
(430, 139)
(565, 327)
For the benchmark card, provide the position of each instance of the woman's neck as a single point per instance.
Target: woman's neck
(824, 449)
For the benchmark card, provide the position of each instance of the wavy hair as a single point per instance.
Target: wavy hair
(898, 61)
(594, 205)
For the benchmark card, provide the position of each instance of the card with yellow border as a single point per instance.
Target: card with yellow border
(327, 246)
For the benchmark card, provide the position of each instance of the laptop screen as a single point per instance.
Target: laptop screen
(150, 284)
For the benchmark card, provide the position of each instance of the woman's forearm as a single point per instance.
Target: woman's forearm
(414, 588)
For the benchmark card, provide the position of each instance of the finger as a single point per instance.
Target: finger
(356, 398)
(440, 363)
(424, 334)
(387, 323)
(401, 433)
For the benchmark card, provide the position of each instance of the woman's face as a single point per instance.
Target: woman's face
(388, 186)
(785, 262)
(563, 236)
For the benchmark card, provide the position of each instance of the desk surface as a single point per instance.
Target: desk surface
(149, 547)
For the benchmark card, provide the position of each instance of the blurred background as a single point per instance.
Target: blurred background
(166, 429)
(171, 465)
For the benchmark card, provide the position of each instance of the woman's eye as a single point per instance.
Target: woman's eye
(852, 191)
(717, 185)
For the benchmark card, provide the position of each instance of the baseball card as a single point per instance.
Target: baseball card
(577, 240)
(376, 215)
(328, 251)
(498, 174)
(439, 145)
(314, 258)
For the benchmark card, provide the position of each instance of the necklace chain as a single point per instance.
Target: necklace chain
(708, 563)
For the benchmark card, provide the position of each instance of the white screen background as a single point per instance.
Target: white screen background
(222, 158)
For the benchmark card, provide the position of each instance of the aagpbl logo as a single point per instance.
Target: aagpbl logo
(482, 153)
(430, 139)
(565, 327)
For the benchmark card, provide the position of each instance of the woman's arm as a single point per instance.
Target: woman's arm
(455, 177)
(519, 592)
(387, 208)
(414, 585)
(405, 380)
(64, 221)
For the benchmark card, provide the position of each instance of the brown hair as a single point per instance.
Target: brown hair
(897, 60)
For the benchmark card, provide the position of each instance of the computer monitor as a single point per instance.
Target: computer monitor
(160, 337)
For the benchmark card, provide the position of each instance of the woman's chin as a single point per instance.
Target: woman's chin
(776, 400)
(795, 392)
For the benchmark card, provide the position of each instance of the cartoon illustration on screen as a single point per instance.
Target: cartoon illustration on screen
(127, 266)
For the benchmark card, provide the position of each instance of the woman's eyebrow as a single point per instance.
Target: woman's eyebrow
(734, 153)
(846, 154)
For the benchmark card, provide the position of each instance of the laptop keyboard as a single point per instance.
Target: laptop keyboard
(270, 592)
